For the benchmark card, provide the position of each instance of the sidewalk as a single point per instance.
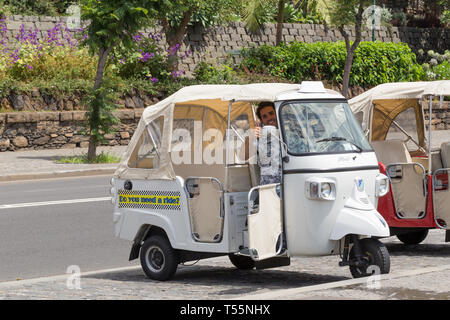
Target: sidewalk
(40, 164)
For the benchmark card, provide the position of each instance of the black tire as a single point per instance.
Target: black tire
(374, 254)
(415, 237)
(241, 262)
(158, 259)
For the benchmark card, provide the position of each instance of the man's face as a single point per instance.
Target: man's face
(268, 116)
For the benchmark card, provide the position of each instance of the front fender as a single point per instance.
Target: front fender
(360, 222)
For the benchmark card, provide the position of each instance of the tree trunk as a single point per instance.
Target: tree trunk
(280, 19)
(351, 48)
(174, 36)
(95, 114)
(347, 69)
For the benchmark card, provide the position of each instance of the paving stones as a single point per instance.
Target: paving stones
(216, 279)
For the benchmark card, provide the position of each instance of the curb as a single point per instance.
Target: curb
(56, 174)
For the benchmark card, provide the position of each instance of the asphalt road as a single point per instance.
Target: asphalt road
(43, 240)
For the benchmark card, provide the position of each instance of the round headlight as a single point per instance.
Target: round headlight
(325, 190)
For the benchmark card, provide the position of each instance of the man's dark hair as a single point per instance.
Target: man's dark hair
(262, 105)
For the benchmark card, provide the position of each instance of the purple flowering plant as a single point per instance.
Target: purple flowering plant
(58, 54)
(147, 60)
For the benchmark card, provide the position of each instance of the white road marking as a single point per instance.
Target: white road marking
(8, 284)
(49, 203)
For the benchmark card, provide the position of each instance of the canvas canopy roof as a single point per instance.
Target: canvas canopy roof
(217, 97)
(381, 105)
(397, 90)
(214, 97)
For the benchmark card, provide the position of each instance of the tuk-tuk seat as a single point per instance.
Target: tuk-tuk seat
(445, 154)
(391, 151)
(407, 178)
(205, 208)
(441, 191)
(217, 171)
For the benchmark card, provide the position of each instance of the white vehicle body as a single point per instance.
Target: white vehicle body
(325, 196)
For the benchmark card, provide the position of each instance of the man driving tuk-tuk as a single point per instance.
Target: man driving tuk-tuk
(183, 193)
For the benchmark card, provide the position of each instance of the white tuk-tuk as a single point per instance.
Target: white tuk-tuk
(182, 192)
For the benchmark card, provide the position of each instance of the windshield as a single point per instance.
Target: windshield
(321, 127)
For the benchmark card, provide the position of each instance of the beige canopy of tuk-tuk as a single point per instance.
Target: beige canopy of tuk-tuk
(215, 98)
(380, 105)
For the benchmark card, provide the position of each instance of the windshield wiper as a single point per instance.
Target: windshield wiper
(341, 139)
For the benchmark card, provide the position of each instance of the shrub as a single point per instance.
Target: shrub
(380, 62)
(147, 60)
(374, 62)
(47, 62)
(57, 56)
(208, 73)
(437, 66)
(33, 7)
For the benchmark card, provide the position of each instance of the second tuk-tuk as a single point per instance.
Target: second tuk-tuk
(182, 192)
(419, 196)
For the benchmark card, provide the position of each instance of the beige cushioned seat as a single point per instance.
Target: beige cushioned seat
(445, 154)
(391, 151)
(408, 191)
(441, 198)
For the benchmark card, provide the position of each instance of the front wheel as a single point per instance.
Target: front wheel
(415, 237)
(375, 259)
(158, 259)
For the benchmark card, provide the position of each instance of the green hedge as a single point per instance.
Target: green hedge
(374, 62)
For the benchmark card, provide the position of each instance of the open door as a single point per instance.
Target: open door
(205, 208)
(265, 223)
(441, 190)
(441, 197)
(408, 183)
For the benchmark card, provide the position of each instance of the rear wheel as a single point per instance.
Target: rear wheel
(415, 237)
(241, 262)
(375, 259)
(158, 259)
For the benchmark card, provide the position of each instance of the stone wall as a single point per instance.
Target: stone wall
(220, 41)
(42, 130)
(41, 101)
(441, 116)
